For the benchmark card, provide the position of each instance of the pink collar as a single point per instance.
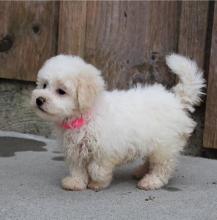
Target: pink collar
(75, 123)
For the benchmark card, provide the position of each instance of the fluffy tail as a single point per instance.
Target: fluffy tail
(191, 81)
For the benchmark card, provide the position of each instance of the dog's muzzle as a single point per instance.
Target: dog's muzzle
(40, 101)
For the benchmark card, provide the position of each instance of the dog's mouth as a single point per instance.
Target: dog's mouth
(44, 111)
(41, 109)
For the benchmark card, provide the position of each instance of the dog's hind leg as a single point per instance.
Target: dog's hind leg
(161, 167)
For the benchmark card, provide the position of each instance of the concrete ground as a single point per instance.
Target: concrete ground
(31, 168)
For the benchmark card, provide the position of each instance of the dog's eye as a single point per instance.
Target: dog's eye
(44, 85)
(61, 92)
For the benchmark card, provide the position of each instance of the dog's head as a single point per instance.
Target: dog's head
(67, 87)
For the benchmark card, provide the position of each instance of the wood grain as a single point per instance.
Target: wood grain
(193, 30)
(210, 132)
(31, 28)
(123, 34)
(72, 27)
(192, 43)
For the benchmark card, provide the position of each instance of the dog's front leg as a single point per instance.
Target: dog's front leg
(100, 175)
(77, 180)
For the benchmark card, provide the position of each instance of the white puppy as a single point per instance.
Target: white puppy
(100, 130)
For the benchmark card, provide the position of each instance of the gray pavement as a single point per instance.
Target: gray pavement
(31, 170)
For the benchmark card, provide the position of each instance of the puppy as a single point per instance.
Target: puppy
(100, 130)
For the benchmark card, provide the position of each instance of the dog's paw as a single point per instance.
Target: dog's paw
(96, 186)
(73, 183)
(150, 182)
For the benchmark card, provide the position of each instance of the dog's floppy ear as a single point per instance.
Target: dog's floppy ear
(89, 85)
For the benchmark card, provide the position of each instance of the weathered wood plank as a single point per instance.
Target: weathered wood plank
(27, 37)
(120, 35)
(72, 26)
(193, 30)
(210, 131)
(192, 43)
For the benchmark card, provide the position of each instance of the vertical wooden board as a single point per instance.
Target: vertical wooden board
(210, 132)
(72, 26)
(121, 34)
(192, 43)
(27, 37)
(193, 30)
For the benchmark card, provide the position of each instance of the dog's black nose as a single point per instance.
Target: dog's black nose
(40, 101)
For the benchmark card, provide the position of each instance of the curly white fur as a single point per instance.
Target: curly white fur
(191, 80)
(147, 122)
